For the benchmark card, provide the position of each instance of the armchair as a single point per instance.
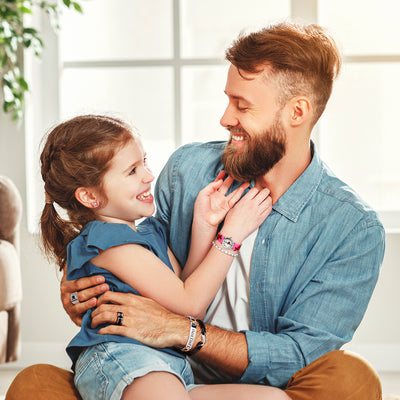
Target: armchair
(10, 274)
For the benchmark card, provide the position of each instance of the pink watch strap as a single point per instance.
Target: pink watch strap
(228, 242)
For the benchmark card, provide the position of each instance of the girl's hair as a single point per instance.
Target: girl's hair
(76, 153)
(305, 60)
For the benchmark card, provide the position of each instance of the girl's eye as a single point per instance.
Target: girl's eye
(145, 161)
(133, 171)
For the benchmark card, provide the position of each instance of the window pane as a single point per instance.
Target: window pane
(363, 26)
(143, 96)
(208, 26)
(203, 102)
(359, 133)
(132, 30)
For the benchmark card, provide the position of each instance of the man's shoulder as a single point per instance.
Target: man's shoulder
(335, 190)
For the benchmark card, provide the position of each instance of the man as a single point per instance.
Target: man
(304, 280)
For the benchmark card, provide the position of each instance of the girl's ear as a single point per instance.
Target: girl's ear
(87, 197)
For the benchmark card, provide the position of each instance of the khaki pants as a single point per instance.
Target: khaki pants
(338, 375)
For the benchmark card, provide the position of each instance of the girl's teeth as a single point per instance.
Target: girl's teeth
(144, 196)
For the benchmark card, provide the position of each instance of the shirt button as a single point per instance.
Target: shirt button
(263, 241)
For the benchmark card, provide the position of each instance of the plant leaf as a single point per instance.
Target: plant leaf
(77, 7)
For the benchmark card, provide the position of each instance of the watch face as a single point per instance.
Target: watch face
(227, 243)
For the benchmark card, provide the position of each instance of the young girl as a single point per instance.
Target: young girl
(94, 168)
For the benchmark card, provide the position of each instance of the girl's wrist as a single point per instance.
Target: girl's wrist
(234, 234)
(227, 240)
(204, 226)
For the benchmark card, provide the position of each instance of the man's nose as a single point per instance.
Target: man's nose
(229, 117)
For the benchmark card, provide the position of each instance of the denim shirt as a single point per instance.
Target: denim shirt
(315, 263)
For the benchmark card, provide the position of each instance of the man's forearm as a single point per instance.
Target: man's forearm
(153, 325)
(225, 351)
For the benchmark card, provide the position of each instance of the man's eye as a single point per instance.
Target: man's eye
(242, 109)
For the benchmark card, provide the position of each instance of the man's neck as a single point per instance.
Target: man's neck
(286, 171)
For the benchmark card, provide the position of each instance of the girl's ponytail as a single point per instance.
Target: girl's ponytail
(56, 234)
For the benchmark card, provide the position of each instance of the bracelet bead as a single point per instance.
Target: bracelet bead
(223, 250)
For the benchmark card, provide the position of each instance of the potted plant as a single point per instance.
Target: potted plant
(15, 36)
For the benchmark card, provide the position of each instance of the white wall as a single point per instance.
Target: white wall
(43, 320)
(46, 329)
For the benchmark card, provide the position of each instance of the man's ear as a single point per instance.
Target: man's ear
(300, 111)
(86, 197)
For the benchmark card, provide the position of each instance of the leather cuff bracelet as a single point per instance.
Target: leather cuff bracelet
(202, 341)
(192, 335)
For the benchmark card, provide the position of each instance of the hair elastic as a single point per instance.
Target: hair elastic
(48, 199)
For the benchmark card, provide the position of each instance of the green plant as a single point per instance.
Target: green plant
(15, 36)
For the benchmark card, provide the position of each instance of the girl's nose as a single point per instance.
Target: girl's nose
(148, 176)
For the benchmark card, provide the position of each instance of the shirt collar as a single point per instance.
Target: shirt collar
(292, 202)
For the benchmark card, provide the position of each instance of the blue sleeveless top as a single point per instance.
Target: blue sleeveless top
(95, 236)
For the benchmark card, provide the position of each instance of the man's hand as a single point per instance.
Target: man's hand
(151, 324)
(87, 290)
(143, 320)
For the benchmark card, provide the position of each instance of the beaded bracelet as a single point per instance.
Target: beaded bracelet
(202, 341)
(192, 334)
(224, 251)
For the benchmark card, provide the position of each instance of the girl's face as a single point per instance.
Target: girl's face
(127, 186)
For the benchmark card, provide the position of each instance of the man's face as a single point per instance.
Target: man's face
(253, 118)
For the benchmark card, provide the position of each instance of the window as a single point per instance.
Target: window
(359, 132)
(160, 64)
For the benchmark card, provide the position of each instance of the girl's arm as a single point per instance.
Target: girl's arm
(153, 279)
(210, 209)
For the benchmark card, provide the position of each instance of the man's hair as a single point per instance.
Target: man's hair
(304, 60)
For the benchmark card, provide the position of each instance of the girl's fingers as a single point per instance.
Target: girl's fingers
(235, 196)
(262, 195)
(221, 175)
(226, 185)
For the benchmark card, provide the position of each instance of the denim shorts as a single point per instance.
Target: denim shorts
(103, 371)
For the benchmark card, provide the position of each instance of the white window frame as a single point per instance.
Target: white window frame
(42, 108)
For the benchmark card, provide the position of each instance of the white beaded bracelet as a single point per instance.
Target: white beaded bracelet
(192, 334)
(224, 251)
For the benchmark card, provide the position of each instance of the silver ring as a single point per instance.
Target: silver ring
(120, 317)
(74, 298)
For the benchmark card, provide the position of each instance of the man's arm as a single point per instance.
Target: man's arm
(322, 317)
(155, 326)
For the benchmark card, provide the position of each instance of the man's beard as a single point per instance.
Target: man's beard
(259, 154)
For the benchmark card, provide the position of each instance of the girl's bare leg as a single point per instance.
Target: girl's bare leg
(237, 392)
(154, 386)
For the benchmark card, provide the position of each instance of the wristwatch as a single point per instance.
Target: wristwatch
(227, 242)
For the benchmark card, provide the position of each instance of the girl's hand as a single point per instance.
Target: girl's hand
(248, 214)
(212, 203)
